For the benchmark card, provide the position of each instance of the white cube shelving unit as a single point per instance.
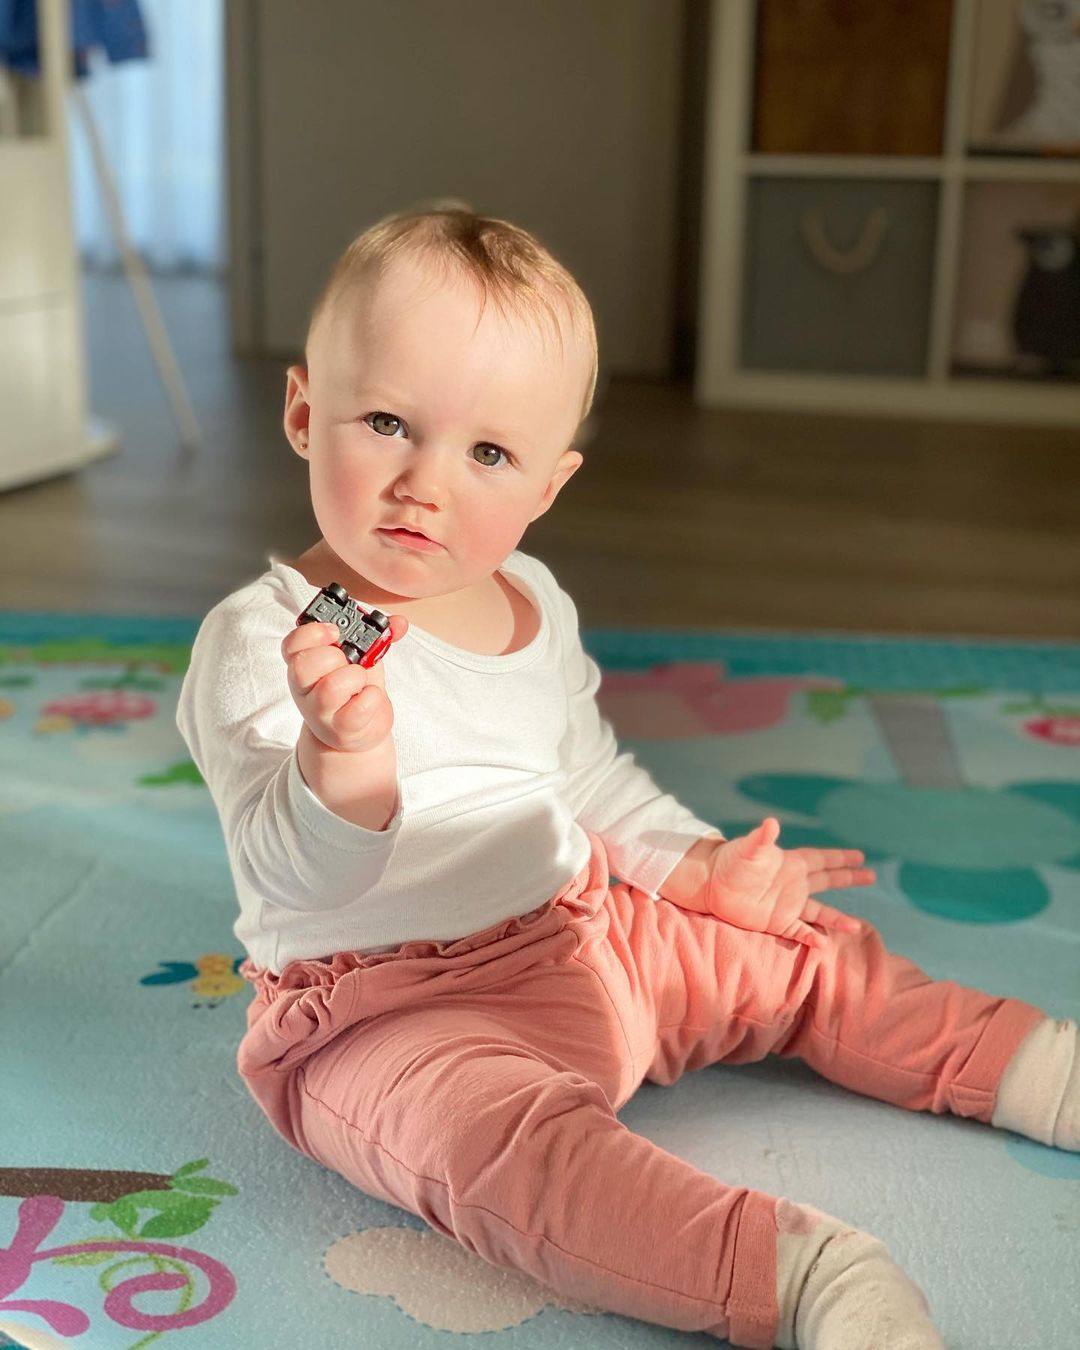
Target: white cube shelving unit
(722, 379)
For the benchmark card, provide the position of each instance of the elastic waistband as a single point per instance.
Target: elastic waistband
(310, 1001)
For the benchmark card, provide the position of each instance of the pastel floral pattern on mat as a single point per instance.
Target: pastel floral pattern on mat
(686, 699)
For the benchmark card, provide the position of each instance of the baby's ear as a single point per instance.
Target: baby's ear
(297, 409)
(296, 383)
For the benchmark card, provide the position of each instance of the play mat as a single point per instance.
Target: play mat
(145, 1200)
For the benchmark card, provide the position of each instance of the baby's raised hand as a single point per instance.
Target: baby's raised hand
(345, 706)
(753, 884)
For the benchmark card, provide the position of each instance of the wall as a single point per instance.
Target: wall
(564, 117)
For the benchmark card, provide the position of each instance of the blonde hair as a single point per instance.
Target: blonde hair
(508, 263)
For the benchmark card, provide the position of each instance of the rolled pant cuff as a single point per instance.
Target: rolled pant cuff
(752, 1306)
(973, 1092)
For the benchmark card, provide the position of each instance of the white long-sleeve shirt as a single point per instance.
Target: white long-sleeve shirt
(503, 763)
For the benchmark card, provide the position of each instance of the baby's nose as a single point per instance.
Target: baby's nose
(423, 483)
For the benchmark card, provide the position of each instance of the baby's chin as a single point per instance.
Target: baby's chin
(392, 582)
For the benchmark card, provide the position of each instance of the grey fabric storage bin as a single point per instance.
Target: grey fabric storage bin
(838, 275)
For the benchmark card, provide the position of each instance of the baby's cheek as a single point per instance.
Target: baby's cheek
(341, 477)
(345, 502)
(487, 535)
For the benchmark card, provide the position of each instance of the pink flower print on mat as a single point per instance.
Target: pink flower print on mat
(1059, 730)
(682, 700)
(1058, 723)
(108, 709)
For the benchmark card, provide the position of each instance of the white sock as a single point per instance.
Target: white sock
(1039, 1093)
(839, 1289)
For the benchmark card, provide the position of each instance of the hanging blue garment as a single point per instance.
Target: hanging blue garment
(115, 25)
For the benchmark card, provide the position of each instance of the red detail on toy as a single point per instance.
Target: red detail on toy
(377, 652)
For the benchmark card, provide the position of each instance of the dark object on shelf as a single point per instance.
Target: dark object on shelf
(1046, 315)
(851, 77)
(364, 635)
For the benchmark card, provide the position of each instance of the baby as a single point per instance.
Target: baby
(453, 995)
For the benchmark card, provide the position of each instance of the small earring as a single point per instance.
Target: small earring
(303, 441)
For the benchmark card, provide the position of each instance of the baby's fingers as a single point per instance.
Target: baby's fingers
(305, 636)
(308, 667)
(342, 687)
(364, 720)
(355, 715)
(803, 933)
(815, 912)
(839, 878)
(399, 626)
(758, 843)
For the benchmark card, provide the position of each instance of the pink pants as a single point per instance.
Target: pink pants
(476, 1082)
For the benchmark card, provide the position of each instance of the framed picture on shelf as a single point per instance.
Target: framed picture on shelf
(1026, 78)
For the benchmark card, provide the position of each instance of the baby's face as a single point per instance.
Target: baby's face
(413, 417)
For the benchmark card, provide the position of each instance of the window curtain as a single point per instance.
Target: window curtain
(161, 121)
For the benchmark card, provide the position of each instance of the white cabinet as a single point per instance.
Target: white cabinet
(44, 429)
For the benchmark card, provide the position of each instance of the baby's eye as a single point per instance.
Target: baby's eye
(390, 417)
(499, 451)
(382, 416)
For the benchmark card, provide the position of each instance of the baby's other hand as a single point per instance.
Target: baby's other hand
(755, 884)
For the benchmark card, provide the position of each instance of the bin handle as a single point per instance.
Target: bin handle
(861, 255)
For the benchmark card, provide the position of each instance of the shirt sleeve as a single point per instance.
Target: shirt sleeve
(238, 718)
(645, 830)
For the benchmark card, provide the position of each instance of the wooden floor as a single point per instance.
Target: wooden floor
(679, 517)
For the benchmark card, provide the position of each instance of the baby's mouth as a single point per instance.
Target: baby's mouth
(404, 529)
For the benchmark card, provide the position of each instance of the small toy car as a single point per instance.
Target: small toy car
(365, 634)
